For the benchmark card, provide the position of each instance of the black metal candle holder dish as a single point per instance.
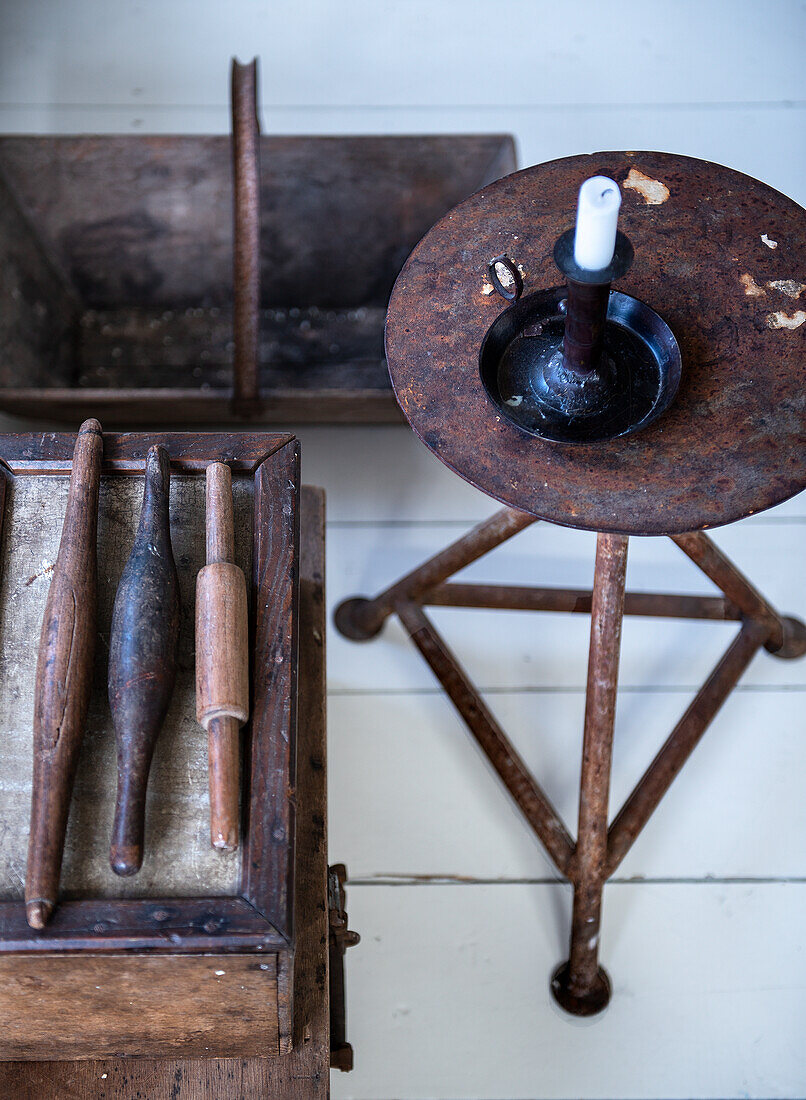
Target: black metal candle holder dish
(579, 363)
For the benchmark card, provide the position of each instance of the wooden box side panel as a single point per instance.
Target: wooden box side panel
(347, 209)
(96, 1006)
(39, 308)
(268, 871)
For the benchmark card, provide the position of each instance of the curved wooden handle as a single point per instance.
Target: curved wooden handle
(224, 750)
(246, 251)
(64, 676)
(220, 522)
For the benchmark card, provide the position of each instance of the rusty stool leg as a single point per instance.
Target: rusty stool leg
(786, 636)
(361, 619)
(580, 985)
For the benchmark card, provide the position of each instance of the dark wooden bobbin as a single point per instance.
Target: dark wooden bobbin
(142, 660)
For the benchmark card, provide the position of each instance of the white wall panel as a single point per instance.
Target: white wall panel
(363, 53)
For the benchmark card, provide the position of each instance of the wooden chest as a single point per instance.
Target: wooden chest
(195, 956)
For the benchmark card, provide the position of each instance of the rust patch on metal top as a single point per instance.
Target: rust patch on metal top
(731, 444)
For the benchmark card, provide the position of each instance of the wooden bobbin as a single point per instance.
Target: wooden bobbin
(222, 658)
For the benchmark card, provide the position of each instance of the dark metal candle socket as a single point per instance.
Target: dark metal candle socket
(580, 363)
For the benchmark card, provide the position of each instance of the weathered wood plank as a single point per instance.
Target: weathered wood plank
(131, 407)
(308, 348)
(166, 924)
(40, 309)
(85, 1006)
(147, 220)
(271, 760)
(41, 453)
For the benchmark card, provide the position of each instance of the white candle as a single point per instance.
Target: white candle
(597, 218)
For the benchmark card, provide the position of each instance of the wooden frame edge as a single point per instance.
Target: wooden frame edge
(125, 452)
(268, 867)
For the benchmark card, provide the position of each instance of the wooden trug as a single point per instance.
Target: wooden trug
(118, 252)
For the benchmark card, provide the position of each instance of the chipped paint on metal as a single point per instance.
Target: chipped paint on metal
(751, 287)
(504, 274)
(785, 320)
(788, 287)
(653, 192)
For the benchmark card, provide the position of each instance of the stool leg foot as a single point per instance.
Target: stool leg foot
(359, 619)
(580, 1003)
(794, 643)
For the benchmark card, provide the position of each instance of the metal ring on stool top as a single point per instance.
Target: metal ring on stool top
(717, 255)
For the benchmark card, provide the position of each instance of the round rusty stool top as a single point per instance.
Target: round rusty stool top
(718, 255)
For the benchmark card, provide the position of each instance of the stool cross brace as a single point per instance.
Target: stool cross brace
(581, 985)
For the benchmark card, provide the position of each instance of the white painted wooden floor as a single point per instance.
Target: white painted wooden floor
(461, 915)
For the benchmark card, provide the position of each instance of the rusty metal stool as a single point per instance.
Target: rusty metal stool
(715, 254)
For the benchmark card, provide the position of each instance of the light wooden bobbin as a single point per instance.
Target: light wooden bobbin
(222, 658)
